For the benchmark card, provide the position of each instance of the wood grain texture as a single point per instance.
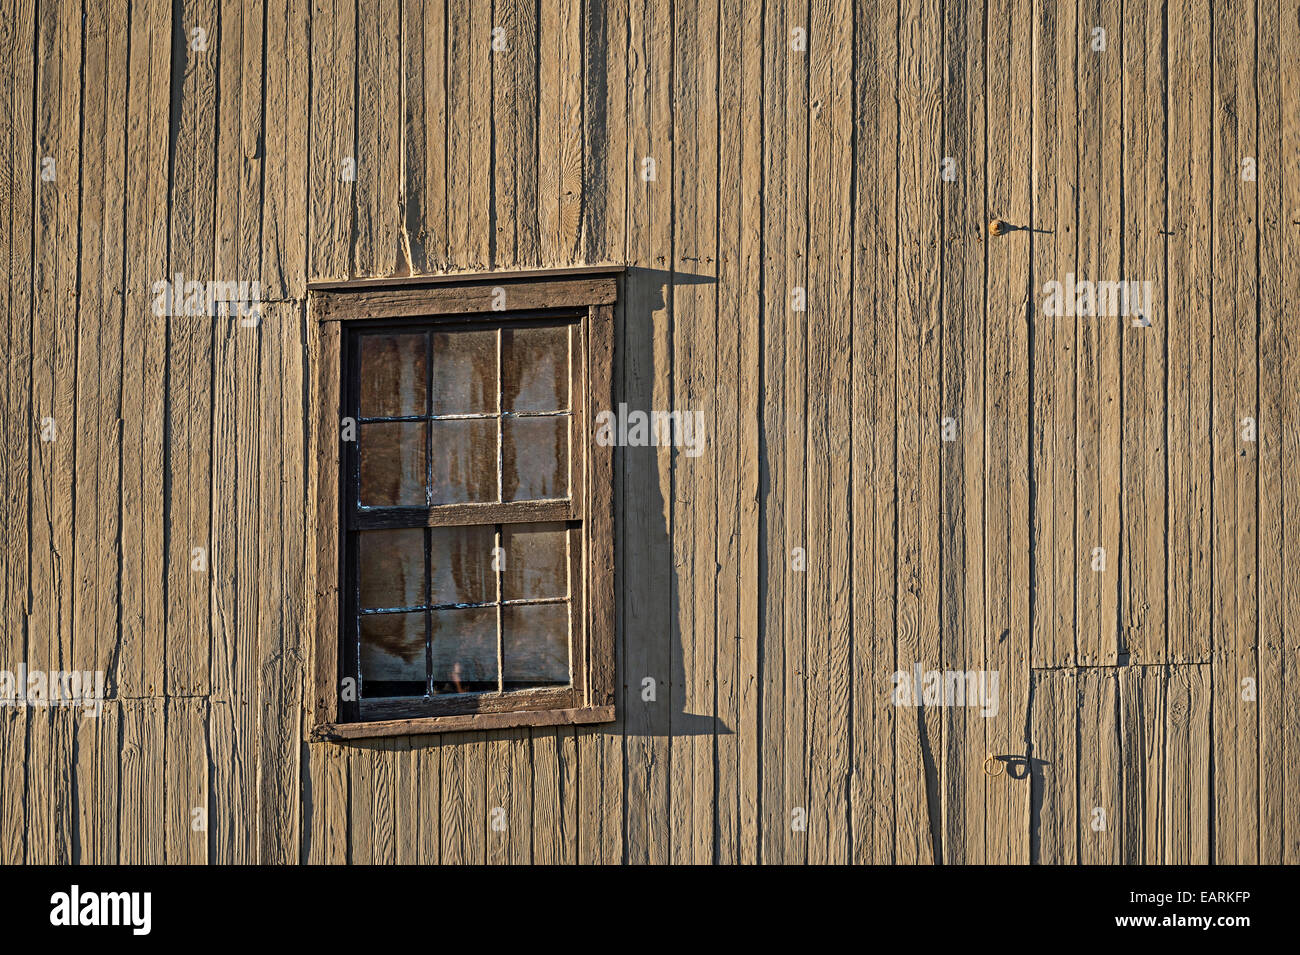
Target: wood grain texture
(907, 459)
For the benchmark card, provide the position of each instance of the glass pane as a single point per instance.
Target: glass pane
(393, 377)
(462, 564)
(535, 369)
(464, 460)
(465, 372)
(392, 464)
(535, 458)
(392, 654)
(535, 645)
(391, 567)
(464, 650)
(536, 561)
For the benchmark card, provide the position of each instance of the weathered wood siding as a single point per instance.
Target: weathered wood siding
(216, 140)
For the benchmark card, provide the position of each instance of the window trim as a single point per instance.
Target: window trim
(594, 293)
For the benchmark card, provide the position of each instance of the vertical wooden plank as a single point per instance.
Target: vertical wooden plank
(507, 58)
(469, 117)
(428, 830)
(750, 637)
(271, 564)
(184, 758)
(839, 677)
(698, 475)
(727, 445)
(143, 562)
(325, 806)
(1270, 209)
(21, 420)
(1187, 765)
(452, 807)
(605, 88)
(829, 350)
(55, 375)
(85, 756)
(918, 224)
(559, 132)
(111, 270)
(288, 101)
(593, 790)
(1145, 401)
(334, 160)
(376, 242)
(647, 478)
(361, 802)
(1233, 382)
(1188, 356)
(1288, 358)
(99, 843)
(142, 817)
(238, 520)
(793, 445)
(383, 792)
(283, 698)
(1097, 715)
(423, 195)
(1142, 695)
(1006, 634)
(774, 823)
(554, 771)
(1053, 766)
(406, 799)
(686, 477)
(1098, 398)
(13, 744)
(281, 571)
(815, 322)
(600, 794)
(11, 432)
(189, 358)
(508, 822)
(49, 812)
(67, 372)
(17, 182)
(54, 323)
(539, 801)
(876, 244)
(232, 785)
(526, 120)
(90, 248)
(547, 820)
(476, 795)
(466, 812)
(960, 449)
(1055, 198)
(694, 377)
(434, 157)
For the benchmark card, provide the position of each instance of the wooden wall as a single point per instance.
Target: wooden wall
(220, 155)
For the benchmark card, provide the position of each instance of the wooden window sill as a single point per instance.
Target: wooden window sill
(468, 722)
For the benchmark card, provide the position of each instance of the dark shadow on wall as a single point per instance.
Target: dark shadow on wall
(653, 589)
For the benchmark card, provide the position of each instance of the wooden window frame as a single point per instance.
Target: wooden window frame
(586, 296)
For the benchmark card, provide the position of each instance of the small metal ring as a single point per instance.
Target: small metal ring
(989, 759)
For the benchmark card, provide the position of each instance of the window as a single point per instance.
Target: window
(465, 546)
